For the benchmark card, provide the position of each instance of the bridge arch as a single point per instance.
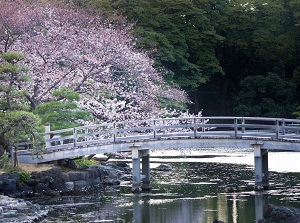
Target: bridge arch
(140, 137)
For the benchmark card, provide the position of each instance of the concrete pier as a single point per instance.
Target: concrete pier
(145, 170)
(261, 172)
(140, 182)
(136, 169)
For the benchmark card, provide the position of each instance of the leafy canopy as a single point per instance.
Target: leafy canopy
(268, 96)
(62, 112)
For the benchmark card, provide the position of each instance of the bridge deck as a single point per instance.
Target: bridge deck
(241, 132)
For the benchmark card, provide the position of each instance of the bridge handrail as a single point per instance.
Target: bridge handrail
(157, 128)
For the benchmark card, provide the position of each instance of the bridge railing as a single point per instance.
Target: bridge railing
(157, 129)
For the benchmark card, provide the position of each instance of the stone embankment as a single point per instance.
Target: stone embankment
(53, 182)
(19, 210)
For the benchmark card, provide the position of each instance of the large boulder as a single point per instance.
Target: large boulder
(277, 214)
(8, 183)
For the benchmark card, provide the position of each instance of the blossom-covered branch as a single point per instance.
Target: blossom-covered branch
(68, 47)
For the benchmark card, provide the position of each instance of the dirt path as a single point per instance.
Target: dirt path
(29, 168)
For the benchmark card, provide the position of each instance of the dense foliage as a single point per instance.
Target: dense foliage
(211, 48)
(17, 123)
(74, 66)
(63, 112)
(67, 47)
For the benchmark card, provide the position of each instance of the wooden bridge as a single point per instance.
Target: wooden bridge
(139, 137)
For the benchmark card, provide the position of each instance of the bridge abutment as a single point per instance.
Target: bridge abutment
(261, 169)
(140, 182)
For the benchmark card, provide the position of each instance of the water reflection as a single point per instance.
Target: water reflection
(261, 204)
(193, 192)
(229, 208)
(206, 210)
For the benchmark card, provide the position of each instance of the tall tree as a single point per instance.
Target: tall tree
(220, 41)
(180, 33)
(259, 37)
(74, 49)
(12, 77)
(17, 124)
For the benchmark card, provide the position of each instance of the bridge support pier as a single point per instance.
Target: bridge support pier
(145, 170)
(261, 171)
(137, 178)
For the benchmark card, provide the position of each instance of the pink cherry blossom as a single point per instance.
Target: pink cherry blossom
(68, 47)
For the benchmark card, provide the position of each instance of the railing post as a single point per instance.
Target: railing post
(235, 127)
(47, 135)
(243, 123)
(203, 122)
(86, 132)
(114, 131)
(277, 129)
(195, 128)
(124, 133)
(283, 127)
(75, 137)
(154, 129)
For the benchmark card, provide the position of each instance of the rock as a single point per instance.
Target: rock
(32, 182)
(164, 167)
(41, 187)
(217, 221)
(75, 176)
(8, 183)
(24, 189)
(93, 174)
(71, 164)
(122, 164)
(80, 185)
(281, 215)
(111, 182)
(17, 210)
(57, 183)
(69, 185)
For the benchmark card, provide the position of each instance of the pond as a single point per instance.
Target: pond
(203, 185)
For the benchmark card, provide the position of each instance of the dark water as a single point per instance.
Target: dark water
(192, 192)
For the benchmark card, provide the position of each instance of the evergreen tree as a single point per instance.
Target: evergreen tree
(17, 123)
(63, 111)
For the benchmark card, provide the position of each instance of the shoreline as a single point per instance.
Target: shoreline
(20, 210)
(51, 182)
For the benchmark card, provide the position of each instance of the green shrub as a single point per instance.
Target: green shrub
(85, 162)
(24, 176)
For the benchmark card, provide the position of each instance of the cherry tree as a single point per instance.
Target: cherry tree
(15, 19)
(68, 47)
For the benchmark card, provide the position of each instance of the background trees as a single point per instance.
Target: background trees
(210, 46)
(270, 96)
(213, 49)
